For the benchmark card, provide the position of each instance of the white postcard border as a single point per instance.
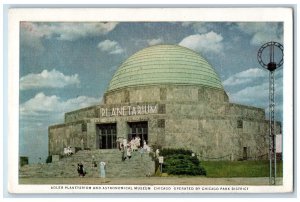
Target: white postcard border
(148, 14)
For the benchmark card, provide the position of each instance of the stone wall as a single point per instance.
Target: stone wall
(89, 112)
(116, 97)
(146, 94)
(190, 117)
(212, 95)
(182, 94)
(245, 112)
(91, 134)
(67, 135)
(216, 139)
(155, 93)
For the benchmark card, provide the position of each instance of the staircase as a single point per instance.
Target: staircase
(139, 165)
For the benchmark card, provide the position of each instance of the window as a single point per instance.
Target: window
(107, 136)
(83, 127)
(138, 129)
(162, 109)
(161, 123)
(239, 123)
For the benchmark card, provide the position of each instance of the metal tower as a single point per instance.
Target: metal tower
(271, 66)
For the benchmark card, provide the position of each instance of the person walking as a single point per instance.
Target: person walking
(157, 153)
(125, 144)
(124, 149)
(80, 170)
(128, 151)
(82, 144)
(123, 153)
(102, 171)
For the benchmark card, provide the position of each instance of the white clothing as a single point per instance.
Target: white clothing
(128, 151)
(125, 142)
(157, 152)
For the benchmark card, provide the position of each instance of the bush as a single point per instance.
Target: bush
(181, 162)
(170, 151)
(49, 159)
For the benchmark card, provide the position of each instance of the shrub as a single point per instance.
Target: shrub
(181, 162)
(170, 151)
(49, 159)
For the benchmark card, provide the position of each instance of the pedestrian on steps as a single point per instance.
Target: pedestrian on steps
(102, 167)
(128, 151)
(124, 152)
(80, 170)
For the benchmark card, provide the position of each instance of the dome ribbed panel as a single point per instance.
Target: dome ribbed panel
(165, 64)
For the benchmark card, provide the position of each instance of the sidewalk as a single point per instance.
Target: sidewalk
(152, 181)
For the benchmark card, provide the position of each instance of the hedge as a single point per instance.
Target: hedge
(181, 162)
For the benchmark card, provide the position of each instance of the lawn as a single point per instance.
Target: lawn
(239, 168)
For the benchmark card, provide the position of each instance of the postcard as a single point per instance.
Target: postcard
(151, 100)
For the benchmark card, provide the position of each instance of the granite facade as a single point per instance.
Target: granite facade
(179, 116)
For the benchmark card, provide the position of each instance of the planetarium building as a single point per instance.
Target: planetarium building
(171, 97)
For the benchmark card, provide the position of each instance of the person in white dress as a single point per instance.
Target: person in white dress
(102, 171)
(138, 141)
(146, 147)
(157, 153)
(133, 144)
(125, 147)
(119, 142)
(128, 151)
(125, 143)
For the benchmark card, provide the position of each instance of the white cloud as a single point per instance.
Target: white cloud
(31, 41)
(262, 32)
(43, 105)
(257, 94)
(152, 42)
(37, 114)
(199, 27)
(251, 94)
(244, 77)
(48, 79)
(253, 89)
(210, 42)
(112, 47)
(67, 31)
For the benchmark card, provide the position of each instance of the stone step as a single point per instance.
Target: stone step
(139, 165)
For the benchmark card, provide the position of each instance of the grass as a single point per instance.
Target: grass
(239, 168)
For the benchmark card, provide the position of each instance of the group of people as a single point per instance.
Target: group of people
(127, 147)
(68, 151)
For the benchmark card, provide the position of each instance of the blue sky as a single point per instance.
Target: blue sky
(67, 66)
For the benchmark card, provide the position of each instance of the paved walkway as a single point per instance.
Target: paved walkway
(152, 181)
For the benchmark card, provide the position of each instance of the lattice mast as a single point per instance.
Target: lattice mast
(271, 66)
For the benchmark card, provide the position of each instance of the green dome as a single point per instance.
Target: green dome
(165, 64)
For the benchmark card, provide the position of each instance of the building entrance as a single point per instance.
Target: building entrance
(107, 136)
(138, 129)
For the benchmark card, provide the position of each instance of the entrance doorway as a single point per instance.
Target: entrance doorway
(107, 136)
(138, 129)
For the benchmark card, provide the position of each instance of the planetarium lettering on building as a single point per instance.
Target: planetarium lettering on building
(129, 110)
